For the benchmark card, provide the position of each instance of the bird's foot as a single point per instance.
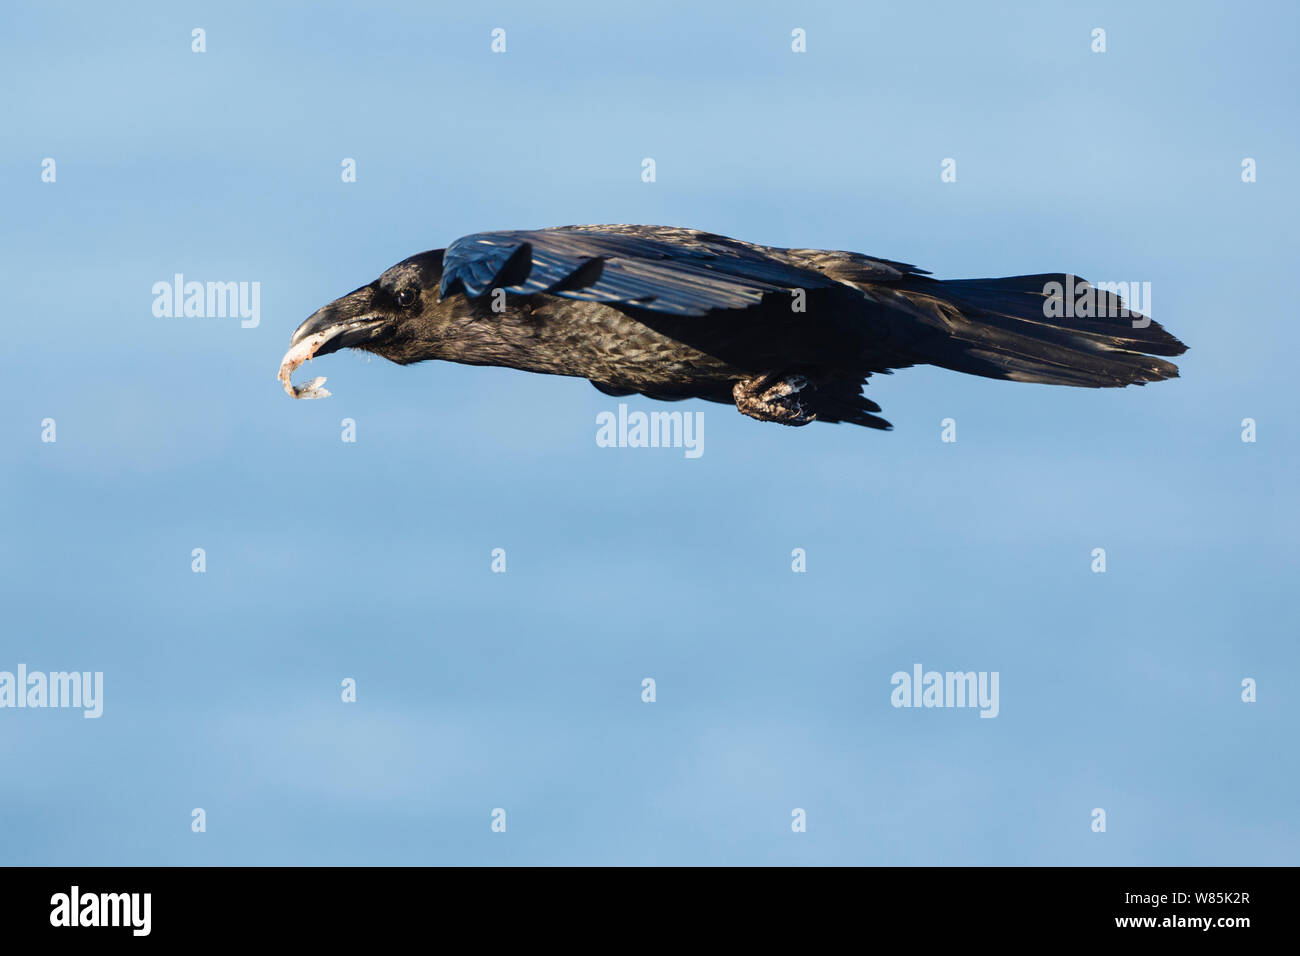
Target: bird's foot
(773, 398)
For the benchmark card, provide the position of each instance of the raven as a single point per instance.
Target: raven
(787, 335)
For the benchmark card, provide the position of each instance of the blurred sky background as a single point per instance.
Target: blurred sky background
(476, 690)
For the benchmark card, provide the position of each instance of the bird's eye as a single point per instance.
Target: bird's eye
(406, 298)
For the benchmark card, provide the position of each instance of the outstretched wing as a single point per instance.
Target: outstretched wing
(664, 270)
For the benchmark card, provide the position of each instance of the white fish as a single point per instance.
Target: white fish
(302, 352)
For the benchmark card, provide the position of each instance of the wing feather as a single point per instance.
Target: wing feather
(671, 271)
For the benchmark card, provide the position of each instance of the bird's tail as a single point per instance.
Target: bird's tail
(1054, 328)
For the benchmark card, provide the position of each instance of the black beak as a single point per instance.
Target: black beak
(344, 323)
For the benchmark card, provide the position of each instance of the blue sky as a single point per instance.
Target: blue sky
(371, 560)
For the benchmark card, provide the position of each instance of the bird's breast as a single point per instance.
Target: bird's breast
(591, 340)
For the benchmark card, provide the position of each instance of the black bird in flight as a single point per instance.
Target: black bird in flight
(787, 335)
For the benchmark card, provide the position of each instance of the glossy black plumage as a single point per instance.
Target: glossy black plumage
(788, 335)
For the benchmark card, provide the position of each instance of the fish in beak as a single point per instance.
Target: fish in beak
(345, 323)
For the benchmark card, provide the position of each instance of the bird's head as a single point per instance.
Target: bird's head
(396, 317)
